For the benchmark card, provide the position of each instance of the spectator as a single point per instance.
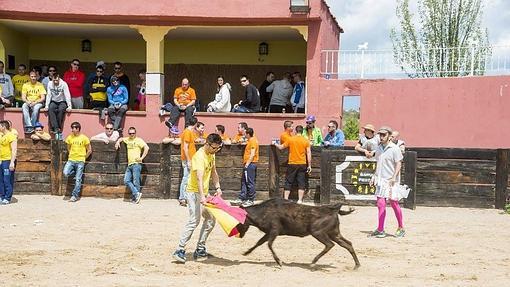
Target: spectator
(39, 133)
(300, 155)
(122, 78)
(108, 136)
(204, 168)
(173, 137)
(97, 86)
(93, 74)
(395, 138)
(220, 129)
(52, 70)
(6, 88)
(12, 130)
(202, 135)
(33, 95)
(312, 133)
(251, 102)
(58, 102)
(288, 127)
(8, 153)
(265, 96)
(140, 100)
(240, 138)
(221, 103)
(188, 149)
(118, 100)
(75, 79)
(132, 177)
(297, 100)
(248, 179)
(335, 136)
(79, 149)
(367, 143)
(19, 80)
(184, 102)
(387, 175)
(282, 91)
(38, 73)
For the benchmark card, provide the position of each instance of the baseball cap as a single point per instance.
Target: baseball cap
(385, 129)
(174, 130)
(310, 118)
(113, 79)
(369, 127)
(100, 63)
(38, 125)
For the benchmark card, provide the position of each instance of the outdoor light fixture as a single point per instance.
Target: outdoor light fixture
(263, 49)
(299, 6)
(86, 46)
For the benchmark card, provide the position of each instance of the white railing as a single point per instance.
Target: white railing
(430, 62)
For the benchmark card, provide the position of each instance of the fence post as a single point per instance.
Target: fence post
(56, 167)
(325, 190)
(501, 177)
(274, 171)
(410, 159)
(165, 176)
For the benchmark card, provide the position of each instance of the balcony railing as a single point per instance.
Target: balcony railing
(425, 63)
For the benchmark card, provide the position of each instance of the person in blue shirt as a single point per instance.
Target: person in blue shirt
(117, 99)
(335, 136)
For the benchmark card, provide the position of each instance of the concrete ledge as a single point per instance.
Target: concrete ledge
(82, 111)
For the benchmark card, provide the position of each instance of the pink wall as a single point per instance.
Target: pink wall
(470, 112)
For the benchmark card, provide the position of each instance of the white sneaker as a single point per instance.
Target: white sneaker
(236, 202)
(138, 197)
(299, 202)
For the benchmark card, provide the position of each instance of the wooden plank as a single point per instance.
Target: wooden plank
(409, 178)
(35, 177)
(502, 170)
(32, 188)
(98, 146)
(118, 179)
(456, 190)
(326, 171)
(32, 166)
(92, 167)
(166, 172)
(456, 165)
(56, 167)
(456, 176)
(455, 153)
(446, 201)
(120, 157)
(33, 145)
(33, 155)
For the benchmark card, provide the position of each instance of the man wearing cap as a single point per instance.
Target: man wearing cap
(75, 79)
(368, 142)
(109, 135)
(39, 133)
(312, 133)
(184, 102)
(173, 137)
(387, 175)
(118, 100)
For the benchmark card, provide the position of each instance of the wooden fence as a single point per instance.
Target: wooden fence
(438, 177)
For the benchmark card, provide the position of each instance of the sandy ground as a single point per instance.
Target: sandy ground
(99, 242)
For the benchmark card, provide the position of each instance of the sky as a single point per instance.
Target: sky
(371, 21)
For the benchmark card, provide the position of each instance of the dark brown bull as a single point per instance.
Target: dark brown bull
(277, 217)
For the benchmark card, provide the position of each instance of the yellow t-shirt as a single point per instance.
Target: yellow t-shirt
(77, 147)
(33, 92)
(134, 149)
(200, 161)
(14, 132)
(5, 145)
(18, 82)
(99, 96)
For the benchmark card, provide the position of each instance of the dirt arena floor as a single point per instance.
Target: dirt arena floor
(47, 241)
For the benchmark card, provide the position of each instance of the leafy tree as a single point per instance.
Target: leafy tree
(446, 41)
(351, 127)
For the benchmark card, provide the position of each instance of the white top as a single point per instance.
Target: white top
(7, 87)
(58, 93)
(369, 144)
(387, 158)
(221, 101)
(103, 137)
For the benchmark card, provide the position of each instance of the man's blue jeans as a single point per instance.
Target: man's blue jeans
(6, 187)
(184, 181)
(30, 114)
(132, 178)
(76, 168)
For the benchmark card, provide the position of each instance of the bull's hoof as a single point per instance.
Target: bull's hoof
(356, 266)
(246, 253)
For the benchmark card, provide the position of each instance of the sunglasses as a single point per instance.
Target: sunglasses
(76, 64)
(242, 81)
(52, 71)
(99, 71)
(75, 127)
(117, 68)
(218, 147)
(131, 134)
(331, 126)
(109, 129)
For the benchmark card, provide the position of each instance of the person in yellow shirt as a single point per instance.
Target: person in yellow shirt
(33, 95)
(135, 156)
(203, 168)
(220, 129)
(78, 146)
(40, 134)
(184, 102)
(8, 151)
(19, 80)
(300, 154)
(250, 160)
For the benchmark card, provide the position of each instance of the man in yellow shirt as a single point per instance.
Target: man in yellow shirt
(203, 167)
(19, 80)
(78, 146)
(250, 159)
(184, 102)
(8, 151)
(135, 156)
(33, 95)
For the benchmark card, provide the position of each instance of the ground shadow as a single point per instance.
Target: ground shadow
(215, 260)
(369, 233)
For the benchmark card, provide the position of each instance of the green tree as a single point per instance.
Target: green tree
(447, 40)
(351, 128)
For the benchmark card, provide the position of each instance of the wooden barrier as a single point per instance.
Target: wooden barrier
(437, 177)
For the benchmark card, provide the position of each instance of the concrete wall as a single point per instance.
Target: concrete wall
(16, 44)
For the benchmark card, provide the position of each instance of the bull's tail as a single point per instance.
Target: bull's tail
(338, 207)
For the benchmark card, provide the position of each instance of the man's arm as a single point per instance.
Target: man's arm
(89, 151)
(393, 179)
(145, 152)
(216, 181)
(309, 159)
(117, 144)
(44, 136)
(14, 153)
(250, 159)
(186, 153)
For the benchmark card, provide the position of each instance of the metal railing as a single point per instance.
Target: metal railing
(427, 62)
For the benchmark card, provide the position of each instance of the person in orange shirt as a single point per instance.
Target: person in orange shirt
(184, 102)
(250, 159)
(299, 155)
(240, 138)
(188, 149)
(287, 133)
(220, 129)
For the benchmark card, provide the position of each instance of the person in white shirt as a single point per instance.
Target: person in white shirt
(58, 102)
(108, 136)
(398, 142)
(221, 103)
(6, 88)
